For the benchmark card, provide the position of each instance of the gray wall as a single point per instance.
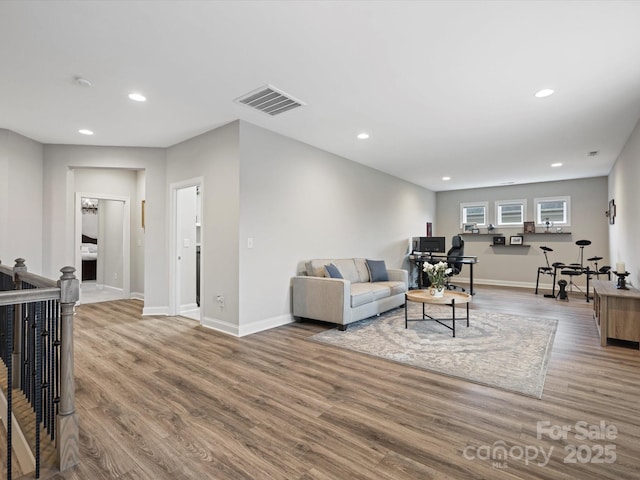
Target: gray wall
(214, 157)
(21, 201)
(298, 202)
(623, 188)
(518, 266)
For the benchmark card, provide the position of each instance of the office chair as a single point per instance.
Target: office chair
(454, 260)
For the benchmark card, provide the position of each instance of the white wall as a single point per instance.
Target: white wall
(110, 250)
(21, 201)
(624, 235)
(298, 202)
(518, 266)
(60, 167)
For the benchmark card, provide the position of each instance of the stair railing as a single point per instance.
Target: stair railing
(36, 346)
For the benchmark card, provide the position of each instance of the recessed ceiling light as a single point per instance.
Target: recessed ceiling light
(363, 136)
(137, 97)
(545, 92)
(557, 164)
(85, 131)
(446, 178)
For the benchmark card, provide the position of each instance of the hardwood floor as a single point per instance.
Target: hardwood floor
(162, 398)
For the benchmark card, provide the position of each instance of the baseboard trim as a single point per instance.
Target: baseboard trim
(266, 324)
(155, 311)
(243, 330)
(188, 308)
(137, 296)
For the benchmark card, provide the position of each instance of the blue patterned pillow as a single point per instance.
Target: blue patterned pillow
(377, 271)
(332, 271)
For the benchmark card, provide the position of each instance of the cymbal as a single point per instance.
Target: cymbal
(546, 249)
(594, 259)
(583, 242)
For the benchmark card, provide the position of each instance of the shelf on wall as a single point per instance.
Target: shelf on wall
(546, 233)
(494, 245)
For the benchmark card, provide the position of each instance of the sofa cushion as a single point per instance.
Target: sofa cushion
(363, 270)
(332, 271)
(348, 269)
(360, 294)
(377, 271)
(394, 287)
(315, 267)
(380, 290)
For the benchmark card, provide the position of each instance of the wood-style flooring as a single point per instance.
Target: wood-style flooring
(163, 398)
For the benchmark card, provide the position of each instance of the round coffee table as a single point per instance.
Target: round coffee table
(449, 298)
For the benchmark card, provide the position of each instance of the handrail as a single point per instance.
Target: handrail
(36, 327)
(11, 297)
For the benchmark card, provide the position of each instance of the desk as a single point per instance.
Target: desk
(420, 258)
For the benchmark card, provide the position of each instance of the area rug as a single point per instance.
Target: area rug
(498, 350)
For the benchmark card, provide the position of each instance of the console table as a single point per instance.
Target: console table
(616, 312)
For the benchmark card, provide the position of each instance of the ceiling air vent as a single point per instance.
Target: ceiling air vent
(269, 99)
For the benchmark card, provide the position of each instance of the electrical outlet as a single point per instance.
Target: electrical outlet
(220, 300)
(115, 276)
(250, 242)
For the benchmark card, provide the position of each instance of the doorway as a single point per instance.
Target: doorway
(102, 237)
(186, 244)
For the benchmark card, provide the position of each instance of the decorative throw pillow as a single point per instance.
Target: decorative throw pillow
(377, 270)
(332, 271)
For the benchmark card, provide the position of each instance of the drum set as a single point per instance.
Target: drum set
(571, 271)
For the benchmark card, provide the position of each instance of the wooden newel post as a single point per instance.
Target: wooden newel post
(16, 370)
(68, 429)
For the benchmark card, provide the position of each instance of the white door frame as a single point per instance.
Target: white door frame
(126, 236)
(174, 295)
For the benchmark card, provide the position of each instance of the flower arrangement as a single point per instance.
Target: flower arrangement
(437, 273)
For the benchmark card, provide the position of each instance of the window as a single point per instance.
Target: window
(554, 210)
(474, 213)
(511, 213)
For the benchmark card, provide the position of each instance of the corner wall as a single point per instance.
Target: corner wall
(214, 157)
(624, 235)
(59, 204)
(517, 266)
(297, 203)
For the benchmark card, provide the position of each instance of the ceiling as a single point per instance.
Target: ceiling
(442, 88)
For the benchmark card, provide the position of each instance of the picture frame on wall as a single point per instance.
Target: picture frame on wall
(468, 227)
(515, 240)
(529, 227)
(498, 240)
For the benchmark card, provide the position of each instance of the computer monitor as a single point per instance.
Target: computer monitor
(433, 244)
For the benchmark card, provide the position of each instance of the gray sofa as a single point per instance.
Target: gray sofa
(354, 297)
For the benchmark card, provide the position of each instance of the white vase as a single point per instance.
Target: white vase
(436, 291)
